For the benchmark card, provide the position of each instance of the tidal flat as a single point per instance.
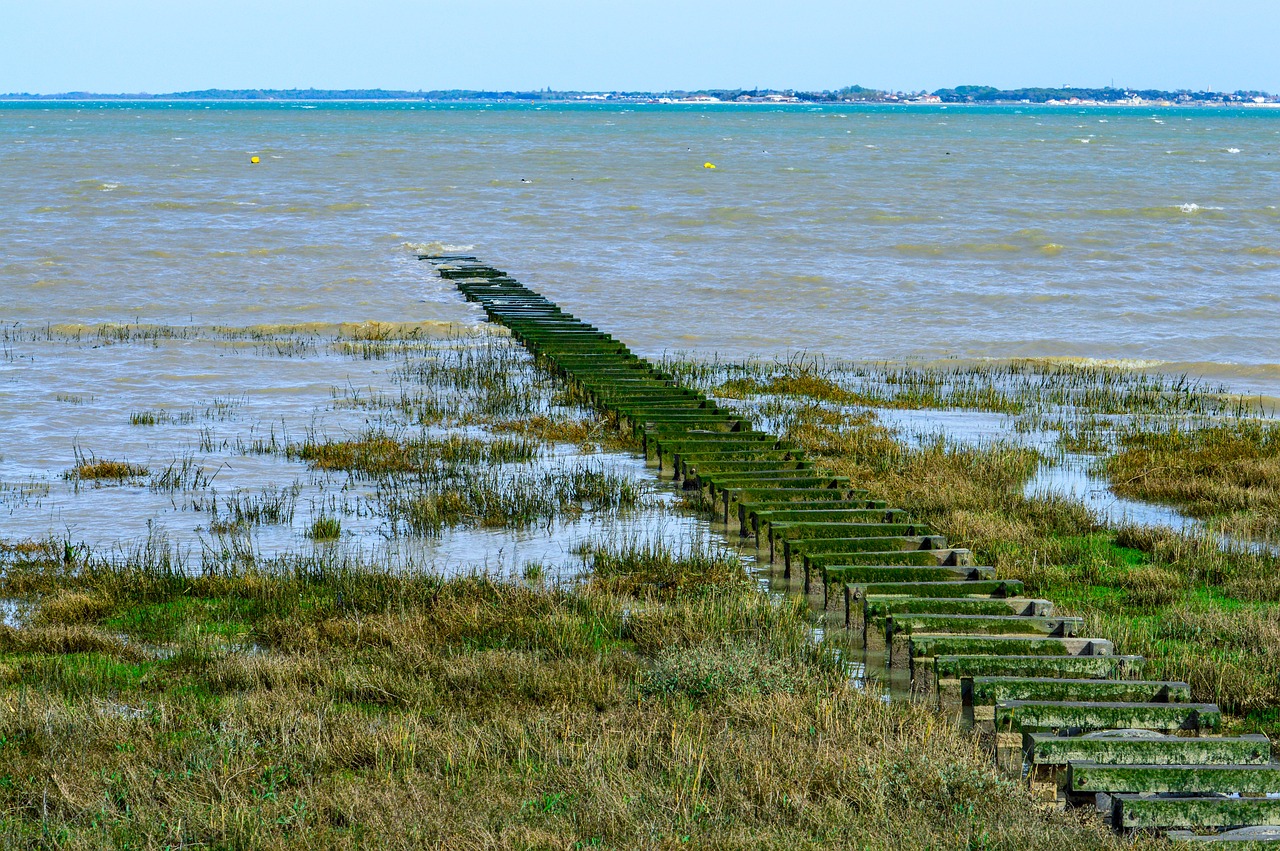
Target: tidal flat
(434, 446)
(636, 674)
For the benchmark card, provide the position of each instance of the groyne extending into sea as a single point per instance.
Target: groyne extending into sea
(1060, 708)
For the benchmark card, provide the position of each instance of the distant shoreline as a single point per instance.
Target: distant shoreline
(847, 96)
(13, 100)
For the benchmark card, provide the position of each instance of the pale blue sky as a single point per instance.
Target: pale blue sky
(171, 45)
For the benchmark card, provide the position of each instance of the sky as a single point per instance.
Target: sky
(49, 46)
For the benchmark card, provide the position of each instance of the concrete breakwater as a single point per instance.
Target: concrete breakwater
(1061, 708)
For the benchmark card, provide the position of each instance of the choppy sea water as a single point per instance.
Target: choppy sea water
(880, 233)
(1145, 236)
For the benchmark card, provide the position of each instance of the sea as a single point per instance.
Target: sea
(1138, 236)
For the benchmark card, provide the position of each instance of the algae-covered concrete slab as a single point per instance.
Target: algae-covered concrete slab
(900, 629)
(817, 528)
(827, 546)
(948, 674)
(1092, 777)
(943, 578)
(909, 623)
(1025, 716)
(1149, 812)
(991, 690)
(1007, 645)
(1145, 747)
(832, 567)
(871, 614)
(762, 519)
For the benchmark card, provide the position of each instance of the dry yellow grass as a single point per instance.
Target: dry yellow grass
(105, 470)
(1228, 470)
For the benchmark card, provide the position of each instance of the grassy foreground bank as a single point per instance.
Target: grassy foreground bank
(661, 702)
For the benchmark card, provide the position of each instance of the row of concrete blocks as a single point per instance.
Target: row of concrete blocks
(1061, 706)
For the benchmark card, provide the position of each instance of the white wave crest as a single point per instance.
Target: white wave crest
(435, 248)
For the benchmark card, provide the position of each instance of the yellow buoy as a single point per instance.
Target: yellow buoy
(255, 160)
(708, 165)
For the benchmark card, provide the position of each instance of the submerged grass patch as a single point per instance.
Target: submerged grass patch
(1041, 387)
(585, 433)
(520, 497)
(377, 454)
(161, 417)
(96, 470)
(325, 529)
(386, 436)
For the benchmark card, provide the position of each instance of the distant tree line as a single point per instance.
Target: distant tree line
(1108, 94)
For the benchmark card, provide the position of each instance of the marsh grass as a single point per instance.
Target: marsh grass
(1046, 388)
(272, 507)
(793, 382)
(660, 701)
(482, 381)
(523, 496)
(161, 417)
(1228, 470)
(586, 433)
(325, 529)
(652, 567)
(378, 454)
(294, 706)
(91, 469)
(182, 474)
(426, 485)
(712, 671)
(1201, 608)
(443, 413)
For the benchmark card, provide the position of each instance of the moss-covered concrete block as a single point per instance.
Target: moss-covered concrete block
(762, 521)
(1007, 645)
(832, 567)
(827, 546)
(909, 623)
(1141, 812)
(1093, 777)
(871, 615)
(1144, 747)
(739, 461)
(951, 672)
(735, 495)
(753, 514)
(949, 588)
(879, 575)
(1024, 716)
(899, 629)
(841, 527)
(990, 690)
(716, 481)
(961, 657)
